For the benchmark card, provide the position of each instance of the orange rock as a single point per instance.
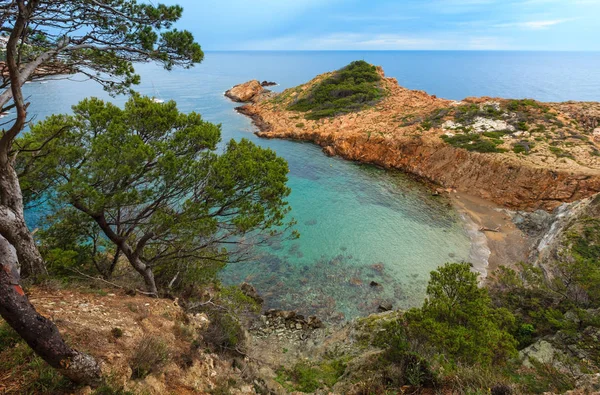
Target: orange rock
(245, 92)
(382, 136)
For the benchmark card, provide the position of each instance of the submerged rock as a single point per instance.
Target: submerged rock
(385, 306)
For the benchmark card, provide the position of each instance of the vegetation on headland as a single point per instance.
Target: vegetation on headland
(519, 126)
(349, 89)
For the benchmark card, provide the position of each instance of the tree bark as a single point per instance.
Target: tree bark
(133, 256)
(39, 332)
(12, 219)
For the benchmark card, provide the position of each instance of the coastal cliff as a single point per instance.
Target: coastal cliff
(532, 155)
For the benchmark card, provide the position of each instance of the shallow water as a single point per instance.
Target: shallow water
(358, 224)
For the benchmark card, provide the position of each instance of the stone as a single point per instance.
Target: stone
(541, 351)
(245, 92)
(385, 306)
(251, 292)
(329, 150)
(374, 284)
(268, 83)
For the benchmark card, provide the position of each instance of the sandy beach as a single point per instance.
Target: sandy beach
(507, 246)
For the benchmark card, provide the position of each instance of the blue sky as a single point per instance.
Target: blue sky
(393, 24)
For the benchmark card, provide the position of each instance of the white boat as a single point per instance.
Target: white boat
(156, 98)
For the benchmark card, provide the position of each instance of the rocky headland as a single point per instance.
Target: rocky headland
(518, 154)
(501, 161)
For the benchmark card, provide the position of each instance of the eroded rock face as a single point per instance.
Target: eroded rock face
(245, 92)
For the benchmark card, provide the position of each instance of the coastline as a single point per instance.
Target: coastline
(490, 249)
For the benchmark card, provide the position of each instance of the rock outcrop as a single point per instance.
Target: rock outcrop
(245, 92)
(394, 134)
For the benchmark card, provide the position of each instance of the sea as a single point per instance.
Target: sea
(358, 224)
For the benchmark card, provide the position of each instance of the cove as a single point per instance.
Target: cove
(358, 224)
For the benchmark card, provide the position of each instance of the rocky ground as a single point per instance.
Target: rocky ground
(111, 326)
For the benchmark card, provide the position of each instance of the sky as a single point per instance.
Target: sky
(566, 25)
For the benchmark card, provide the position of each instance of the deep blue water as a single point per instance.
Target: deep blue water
(357, 223)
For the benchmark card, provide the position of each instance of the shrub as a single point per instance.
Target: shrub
(224, 331)
(459, 321)
(116, 332)
(352, 88)
(149, 356)
(473, 142)
(309, 378)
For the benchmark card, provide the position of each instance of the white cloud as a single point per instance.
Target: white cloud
(365, 41)
(534, 25)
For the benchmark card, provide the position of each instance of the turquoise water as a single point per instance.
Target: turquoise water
(358, 224)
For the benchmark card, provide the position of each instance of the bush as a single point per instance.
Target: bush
(473, 142)
(459, 321)
(224, 331)
(309, 378)
(149, 356)
(352, 88)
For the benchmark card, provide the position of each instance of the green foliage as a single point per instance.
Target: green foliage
(149, 356)
(8, 337)
(149, 175)
(42, 378)
(466, 114)
(473, 142)
(523, 147)
(305, 377)
(224, 331)
(496, 134)
(559, 152)
(118, 33)
(350, 89)
(116, 332)
(459, 321)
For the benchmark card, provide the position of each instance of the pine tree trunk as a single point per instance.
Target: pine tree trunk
(12, 222)
(39, 332)
(147, 274)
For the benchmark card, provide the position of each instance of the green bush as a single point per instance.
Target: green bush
(473, 142)
(350, 89)
(149, 356)
(305, 377)
(459, 321)
(224, 331)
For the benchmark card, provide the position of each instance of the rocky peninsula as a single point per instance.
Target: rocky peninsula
(519, 154)
(498, 158)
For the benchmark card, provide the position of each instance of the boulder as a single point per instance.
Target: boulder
(385, 306)
(245, 92)
(268, 83)
(329, 150)
(251, 292)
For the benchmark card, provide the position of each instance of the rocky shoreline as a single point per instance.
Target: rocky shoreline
(489, 189)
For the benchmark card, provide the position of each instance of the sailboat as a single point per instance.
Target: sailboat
(156, 98)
